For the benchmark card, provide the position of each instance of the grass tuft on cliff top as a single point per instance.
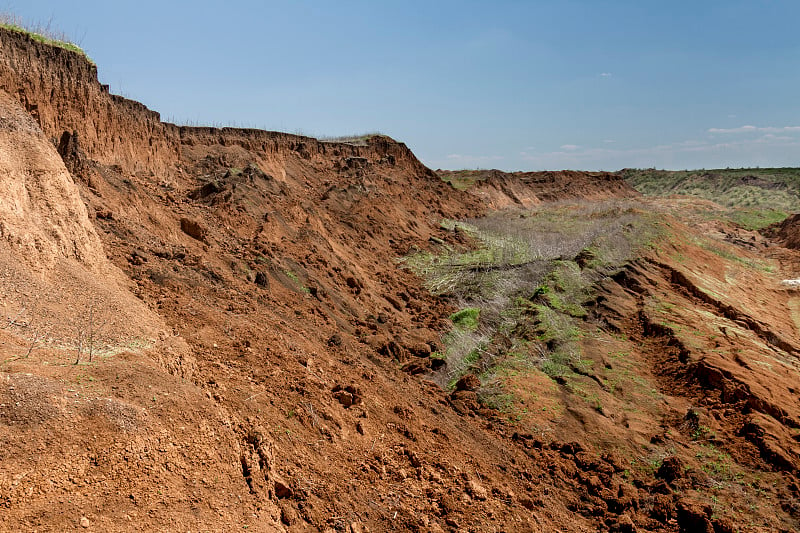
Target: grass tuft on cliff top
(41, 33)
(355, 139)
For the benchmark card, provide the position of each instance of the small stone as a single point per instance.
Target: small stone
(476, 490)
(420, 349)
(335, 340)
(527, 503)
(347, 396)
(104, 214)
(694, 516)
(193, 229)
(671, 469)
(344, 398)
(289, 515)
(85, 522)
(414, 458)
(724, 525)
(261, 279)
(624, 525)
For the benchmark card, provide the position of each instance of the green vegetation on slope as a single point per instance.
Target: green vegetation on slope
(464, 179)
(524, 289)
(466, 318)
(756, 197)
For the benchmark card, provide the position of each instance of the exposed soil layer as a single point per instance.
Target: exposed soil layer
(720, 331)
(208, 329)
(786, 232)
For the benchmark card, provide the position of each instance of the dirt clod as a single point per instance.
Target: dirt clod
(671, 469)
(469, 382)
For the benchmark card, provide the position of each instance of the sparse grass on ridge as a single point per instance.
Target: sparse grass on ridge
(357, 139)
(41, 33)
(463, 179)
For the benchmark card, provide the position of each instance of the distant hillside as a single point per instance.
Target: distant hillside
(524, 189)
(758, 196)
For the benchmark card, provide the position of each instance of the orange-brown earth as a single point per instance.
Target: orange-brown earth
(208, 329)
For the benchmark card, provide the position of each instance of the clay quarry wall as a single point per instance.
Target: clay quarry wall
(60, 89)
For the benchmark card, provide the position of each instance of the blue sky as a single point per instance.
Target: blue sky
(515, 85)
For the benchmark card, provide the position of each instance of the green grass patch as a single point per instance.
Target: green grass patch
(763, 193)
(525, 285)
(463, 179)
(466, 319)
(358, 139)
(725, 253)
(292, 276)
(756, 219)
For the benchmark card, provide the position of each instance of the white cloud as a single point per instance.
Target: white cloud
(569, 147)
(667, 154)
(752, 129)
(773, 137)
(605, 74)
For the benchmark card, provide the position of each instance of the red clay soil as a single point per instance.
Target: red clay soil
(265, 389)
(250, 355)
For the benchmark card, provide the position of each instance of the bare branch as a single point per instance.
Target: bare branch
(13, 321)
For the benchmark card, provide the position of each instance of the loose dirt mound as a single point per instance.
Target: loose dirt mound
(53, 265)
(42, 217)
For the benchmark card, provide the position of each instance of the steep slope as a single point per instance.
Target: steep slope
(615, 324)
(276, 399)
(42, 219)
(52, 257)
(261, 360)
(721, 333)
